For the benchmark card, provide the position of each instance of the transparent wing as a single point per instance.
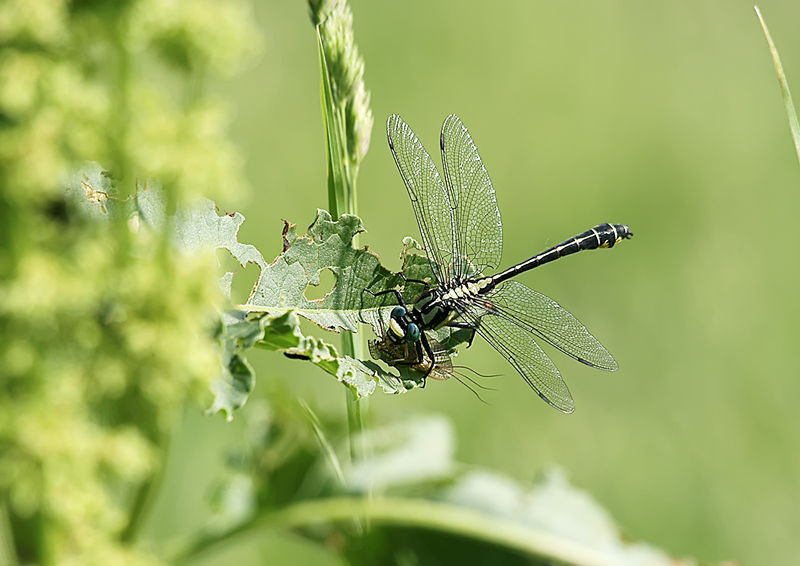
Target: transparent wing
(551, 322)
(443, 363)
(429, 198)
(478, 229)
(405, 355)
(517, 346)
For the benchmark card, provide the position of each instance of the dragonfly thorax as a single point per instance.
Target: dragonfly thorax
(437, 306)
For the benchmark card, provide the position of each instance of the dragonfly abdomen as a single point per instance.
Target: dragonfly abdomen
(601, 236)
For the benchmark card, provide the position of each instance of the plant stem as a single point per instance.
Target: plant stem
(355, 407)
(8, 554)
(146, 495)
(417, 513)
(341, 200)
(121, 111)
(145, 498)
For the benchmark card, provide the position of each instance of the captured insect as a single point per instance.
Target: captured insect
(463, 236)
(406, 353)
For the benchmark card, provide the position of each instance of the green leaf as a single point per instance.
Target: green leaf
(413, 451)
(92, 191)
(195, 227)
(199, 227)
(572, 522)
(282, 333)
(236, 380)
(477, 509)
(269, 319)
(328, 245)
(473, 526)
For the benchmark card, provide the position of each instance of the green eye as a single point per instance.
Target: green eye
(412, 333)
(398, 312)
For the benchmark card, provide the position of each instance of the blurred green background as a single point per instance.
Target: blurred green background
(664, 116)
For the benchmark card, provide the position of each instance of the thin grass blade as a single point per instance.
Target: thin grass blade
(787, 96)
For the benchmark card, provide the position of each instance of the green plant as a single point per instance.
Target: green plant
(112, 318)
(106, 326)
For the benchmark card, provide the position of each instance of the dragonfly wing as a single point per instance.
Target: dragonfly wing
(518, 347)
(430, 200)
(405, 355)
(443, 363)
(551, 322)
(478, 229)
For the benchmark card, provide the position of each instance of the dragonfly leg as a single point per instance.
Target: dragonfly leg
(423, 343)
(407, 280)
(395, 291)
(471, 337)
(468, 326)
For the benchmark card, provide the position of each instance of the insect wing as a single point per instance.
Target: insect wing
(478, 228)
(443, 363)
(518, 347)
(429, 198)
(405, 355)
(551, 322)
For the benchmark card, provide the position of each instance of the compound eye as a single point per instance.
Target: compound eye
(398, 312)
(412, 332)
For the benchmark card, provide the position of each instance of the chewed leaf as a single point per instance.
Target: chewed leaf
(356, 375)
(328, 245)
(92, 190)
(282, 333)
(233, 386)
(195, 227)
(269, 320)
(200, 227)
(236, 379)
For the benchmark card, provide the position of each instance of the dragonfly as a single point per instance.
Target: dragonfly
(462, 235)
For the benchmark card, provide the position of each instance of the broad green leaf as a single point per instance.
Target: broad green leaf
(402, 453)
(199, 227)
(412, 492)
(328, 245)
(570, 524)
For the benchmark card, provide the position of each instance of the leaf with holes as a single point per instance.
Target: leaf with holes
(328, 245)
(269, 318)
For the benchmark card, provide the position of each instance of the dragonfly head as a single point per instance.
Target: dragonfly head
(401, 329)
(412, 332)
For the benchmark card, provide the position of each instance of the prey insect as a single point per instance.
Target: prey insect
(407, 354)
